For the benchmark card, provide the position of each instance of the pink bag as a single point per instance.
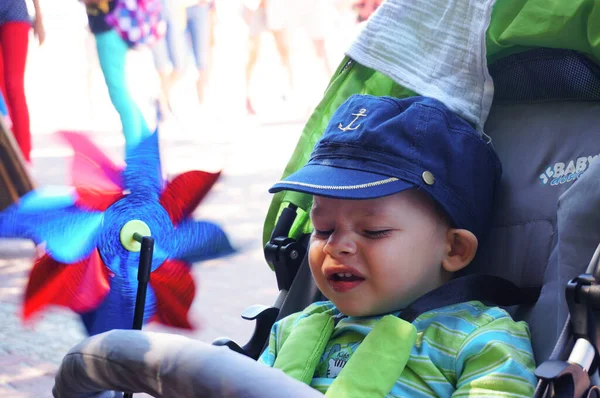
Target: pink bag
(138, 22)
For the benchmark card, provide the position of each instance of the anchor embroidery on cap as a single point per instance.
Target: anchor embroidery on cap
(361, 113)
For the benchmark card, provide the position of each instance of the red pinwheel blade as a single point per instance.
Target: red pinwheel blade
(80, 286)
(174, 289)
(93, 199)
(91, 167)
(96, 178)
(184, 193)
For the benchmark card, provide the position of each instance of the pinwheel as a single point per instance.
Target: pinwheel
(91, 259)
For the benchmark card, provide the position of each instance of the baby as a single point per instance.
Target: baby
(402, 194)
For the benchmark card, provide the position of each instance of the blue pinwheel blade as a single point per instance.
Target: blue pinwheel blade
(70, 234)
(116, 311)
(200, 240)
(47, 199)
(143, 174)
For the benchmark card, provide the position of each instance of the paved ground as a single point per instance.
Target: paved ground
(66, 91)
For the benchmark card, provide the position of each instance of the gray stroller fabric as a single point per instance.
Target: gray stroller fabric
(544, 127)
(534, 140)
(169, 366)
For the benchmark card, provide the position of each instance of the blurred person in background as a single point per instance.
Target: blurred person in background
(200, 26)
(185, 19)
(278, 17)
(15, 23)
(261, 16)
(112, 54)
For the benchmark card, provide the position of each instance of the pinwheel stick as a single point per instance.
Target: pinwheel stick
(146, 251)
(143, 278)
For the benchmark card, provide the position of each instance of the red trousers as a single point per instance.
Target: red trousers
(14, 39)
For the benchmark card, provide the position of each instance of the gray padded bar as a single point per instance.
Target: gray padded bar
(166, 365)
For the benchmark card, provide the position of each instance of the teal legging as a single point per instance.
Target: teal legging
(112, 52)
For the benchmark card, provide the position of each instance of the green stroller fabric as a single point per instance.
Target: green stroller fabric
(516, 26)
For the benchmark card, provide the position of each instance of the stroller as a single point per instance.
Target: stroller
(542, 254)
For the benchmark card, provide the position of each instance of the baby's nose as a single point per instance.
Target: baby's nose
(340, 243)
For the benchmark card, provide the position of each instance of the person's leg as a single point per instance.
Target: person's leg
(321, 51)
(256, 25)
(112, 54)
(278, 21)
(253, 46)
(281, 42)
(160, 54)
(319, 17)
(14, 37)
(169, 52)
(176, 47)
(212, 20)
(198, 24)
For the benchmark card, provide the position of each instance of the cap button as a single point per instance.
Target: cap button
(428, 177)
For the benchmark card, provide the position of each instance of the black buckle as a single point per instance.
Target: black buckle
(265, 318)
(283, 253)
(583, 300)
(285, 256)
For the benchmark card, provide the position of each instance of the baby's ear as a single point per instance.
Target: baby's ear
(462, 245)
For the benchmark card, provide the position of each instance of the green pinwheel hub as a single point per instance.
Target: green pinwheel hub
(127, 231)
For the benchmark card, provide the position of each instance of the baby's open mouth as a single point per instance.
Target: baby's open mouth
(344, 276)
(343, 282)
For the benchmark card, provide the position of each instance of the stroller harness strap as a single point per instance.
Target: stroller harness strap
(382, 356)
(299, 356)
(488, 289)
(378, 361)
(371, 371)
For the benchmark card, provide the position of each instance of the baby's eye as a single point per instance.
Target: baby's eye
(322, 234)
(377, 234)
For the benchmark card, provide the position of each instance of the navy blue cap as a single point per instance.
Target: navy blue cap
(379, 146)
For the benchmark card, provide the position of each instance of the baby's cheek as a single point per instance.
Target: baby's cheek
(432, 250)
(315, 255)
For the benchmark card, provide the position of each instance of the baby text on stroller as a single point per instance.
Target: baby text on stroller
(563, 172)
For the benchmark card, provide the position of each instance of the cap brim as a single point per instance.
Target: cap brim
(334, 182)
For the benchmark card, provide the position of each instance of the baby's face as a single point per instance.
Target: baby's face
(376, 256)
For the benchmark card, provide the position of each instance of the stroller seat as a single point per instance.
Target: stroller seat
(544, 127)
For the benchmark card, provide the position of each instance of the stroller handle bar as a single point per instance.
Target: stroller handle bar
(167, 365)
